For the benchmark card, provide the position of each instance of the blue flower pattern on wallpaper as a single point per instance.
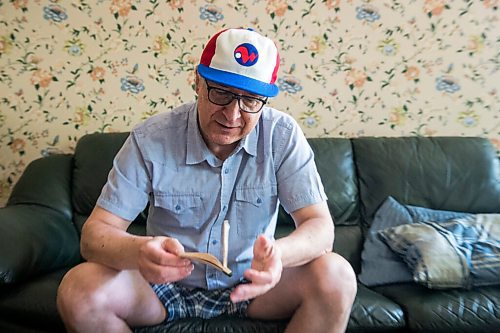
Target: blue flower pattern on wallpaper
(211, 13)
(367, 13)
(447, 84)
(289, 84)
(54, 13)
(132, 84)
(349, 68)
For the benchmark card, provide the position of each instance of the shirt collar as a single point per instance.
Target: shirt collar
(196, 148)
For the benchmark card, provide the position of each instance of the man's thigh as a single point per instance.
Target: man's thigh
(126, 293)
(281, 301)
(298, 284)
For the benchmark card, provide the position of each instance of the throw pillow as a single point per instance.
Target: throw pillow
(379, 264)
(459, 253)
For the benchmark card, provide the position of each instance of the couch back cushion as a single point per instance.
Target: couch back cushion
(93, 159)
(335, 163)
(445, 173)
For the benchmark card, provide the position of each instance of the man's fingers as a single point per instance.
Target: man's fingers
(258, 277)
(168, 259)
(158, 252)
(247, 291)
(261, 283)
(163, 274)
(263, 248)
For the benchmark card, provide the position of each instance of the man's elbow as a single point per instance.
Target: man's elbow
(84, 251)
(85, 245)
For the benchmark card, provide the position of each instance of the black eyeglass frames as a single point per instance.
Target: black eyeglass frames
(223, 97)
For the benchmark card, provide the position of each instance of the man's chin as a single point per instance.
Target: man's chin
(225, 139)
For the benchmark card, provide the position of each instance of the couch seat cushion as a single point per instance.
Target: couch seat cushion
(373, 311)
(453, 310)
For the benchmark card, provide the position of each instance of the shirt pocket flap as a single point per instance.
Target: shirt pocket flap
(255, 196)
(178, 203)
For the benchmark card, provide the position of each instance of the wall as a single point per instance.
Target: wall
(349, 68)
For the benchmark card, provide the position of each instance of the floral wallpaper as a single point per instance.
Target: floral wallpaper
(349, 68)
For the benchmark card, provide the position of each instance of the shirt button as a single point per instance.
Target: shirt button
(178, 207)
(214, 241)
(259, 200)
(224, 208)
(226, 171)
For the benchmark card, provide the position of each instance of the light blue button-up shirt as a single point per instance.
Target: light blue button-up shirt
(191, 192)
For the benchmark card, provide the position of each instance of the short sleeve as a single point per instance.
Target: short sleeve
(299, 183)
(127, 189)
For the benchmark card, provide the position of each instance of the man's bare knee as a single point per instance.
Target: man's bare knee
(67, 299)
(78, 296)
(334, 280)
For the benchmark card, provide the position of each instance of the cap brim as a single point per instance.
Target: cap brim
(238, 81)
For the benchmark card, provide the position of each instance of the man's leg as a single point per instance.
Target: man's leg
(318, 296)
(94, 298)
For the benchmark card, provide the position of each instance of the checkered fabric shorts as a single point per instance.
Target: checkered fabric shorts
(182, 302)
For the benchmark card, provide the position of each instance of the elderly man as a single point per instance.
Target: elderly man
(224, 157)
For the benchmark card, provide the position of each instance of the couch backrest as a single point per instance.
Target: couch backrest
(335, 162)
(446, 173)
(93, 159)
(94, 153)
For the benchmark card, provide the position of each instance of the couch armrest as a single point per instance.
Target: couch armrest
(46, 182)
(35, 239)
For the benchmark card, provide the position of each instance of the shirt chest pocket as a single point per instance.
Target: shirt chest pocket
(254, 208)
(177, 210)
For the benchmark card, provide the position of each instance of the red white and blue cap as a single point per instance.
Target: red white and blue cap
(243, 59)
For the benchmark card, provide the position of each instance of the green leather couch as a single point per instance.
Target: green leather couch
(41, 223)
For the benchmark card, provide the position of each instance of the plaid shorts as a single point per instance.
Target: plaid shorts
(182, 302)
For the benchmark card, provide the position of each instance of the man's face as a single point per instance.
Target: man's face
(222, 127)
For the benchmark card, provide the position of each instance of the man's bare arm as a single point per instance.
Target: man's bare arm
(313, 236)
(105, 240)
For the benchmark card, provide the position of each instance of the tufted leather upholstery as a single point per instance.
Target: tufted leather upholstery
(53, 198)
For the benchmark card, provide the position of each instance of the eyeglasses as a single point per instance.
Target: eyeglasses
(223, 97)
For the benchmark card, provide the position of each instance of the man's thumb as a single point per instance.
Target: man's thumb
(263, 247)
(172, 245)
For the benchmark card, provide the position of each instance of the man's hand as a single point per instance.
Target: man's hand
(264, 273)
(159, 261)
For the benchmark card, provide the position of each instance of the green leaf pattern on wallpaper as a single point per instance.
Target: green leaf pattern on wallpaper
(349, 68)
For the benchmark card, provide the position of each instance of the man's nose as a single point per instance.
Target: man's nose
(232, 110)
